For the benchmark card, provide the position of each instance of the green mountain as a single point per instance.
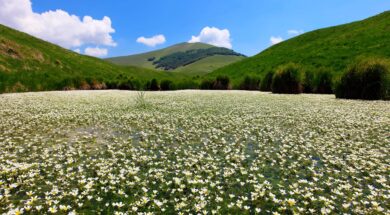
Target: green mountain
(31, 64)
(186, 58)
(333, 48)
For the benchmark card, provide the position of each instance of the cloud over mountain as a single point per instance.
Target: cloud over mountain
(213, 36)
(275, 40)
(294, 32)
(96, 51)
(152, 41)
(59, 27)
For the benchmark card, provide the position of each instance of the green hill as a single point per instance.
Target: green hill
(186, 58)
(31, 64)
(334, 48)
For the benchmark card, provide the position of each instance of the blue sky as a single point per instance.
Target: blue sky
(251, 23)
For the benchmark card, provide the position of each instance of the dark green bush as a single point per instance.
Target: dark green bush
(113, 84)
(250, 83)
(186, 84)
(136, 84)
(308, 82)
(222, 83)
(367, 79)
(288, 79)
(127, 84)
(67, 84)
(323, 81)
(152, 85)
(266, 82)
(206, 84)
(318, 81)
(166, 85)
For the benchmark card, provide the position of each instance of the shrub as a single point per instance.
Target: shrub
(287, 79)
(367, 79)
(266, 82)
(140, 100)
(19, 87)
(127, 84)
(66, 84)
(250, 83)
(308, 83)
(152, 85)
(222, 83)
(84, 85)
(112, 84)
(318, 81)
(167, 85)
(136, 84)
(187, 84)
(323, 81)
(97, 85)
(206, 84)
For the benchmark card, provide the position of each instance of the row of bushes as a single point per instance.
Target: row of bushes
(290, 79)
(152, 85)
(368, 79)
(220, 83)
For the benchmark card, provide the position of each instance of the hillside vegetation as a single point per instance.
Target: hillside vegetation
(31, 64)
(179, 59)
(331, 48)
(186, 58)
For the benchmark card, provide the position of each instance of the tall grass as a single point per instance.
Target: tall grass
(288, 79)
(250, 83)
(367, 79)
(140, 100)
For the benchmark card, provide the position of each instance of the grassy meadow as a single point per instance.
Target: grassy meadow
(192, 152)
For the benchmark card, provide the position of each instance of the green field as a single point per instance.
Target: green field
(333, 48)
(192, 152)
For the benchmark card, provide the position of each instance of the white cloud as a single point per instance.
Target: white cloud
(213, 36)
(77, 51)
(57, 26)
(152, 41)
(276, 40)
(294, 32)
(96, 52)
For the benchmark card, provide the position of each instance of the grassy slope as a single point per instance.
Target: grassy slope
(201, 67)
(141, 60)
(208, 64)
(38, 65)
(333, 47)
